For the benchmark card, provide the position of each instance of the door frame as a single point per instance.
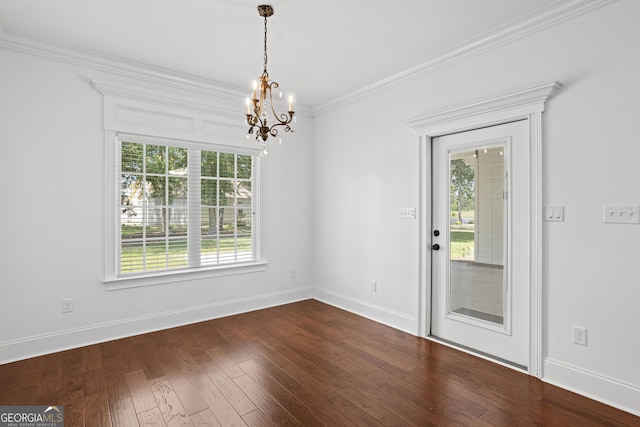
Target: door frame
(522, 104)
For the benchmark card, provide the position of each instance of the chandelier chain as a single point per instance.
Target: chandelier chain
(265, 45)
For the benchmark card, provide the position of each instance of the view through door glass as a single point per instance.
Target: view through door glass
(477, 233)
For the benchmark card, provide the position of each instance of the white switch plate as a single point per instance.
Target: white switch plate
(67, 305)
(621, 214)
(554, 213)
(407, 213)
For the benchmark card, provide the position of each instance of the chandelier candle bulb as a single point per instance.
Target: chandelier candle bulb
(290, 103)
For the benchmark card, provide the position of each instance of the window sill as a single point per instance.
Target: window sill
(117, 283)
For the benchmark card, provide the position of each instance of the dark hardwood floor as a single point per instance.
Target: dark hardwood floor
(299, 364)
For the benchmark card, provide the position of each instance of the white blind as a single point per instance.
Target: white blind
(185, 206)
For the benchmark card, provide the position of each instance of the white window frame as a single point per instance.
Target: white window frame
(115, 279)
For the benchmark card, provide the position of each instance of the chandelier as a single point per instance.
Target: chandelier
(257, 108)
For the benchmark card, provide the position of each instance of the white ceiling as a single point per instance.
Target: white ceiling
(319, 50)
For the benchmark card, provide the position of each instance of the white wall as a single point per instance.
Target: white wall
(52, 240)
(365, 164)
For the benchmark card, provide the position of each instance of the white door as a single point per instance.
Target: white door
(480, 241)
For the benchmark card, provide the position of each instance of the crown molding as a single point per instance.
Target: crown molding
(119, 66)
(539, 20)
(543, 18)
(178, 89)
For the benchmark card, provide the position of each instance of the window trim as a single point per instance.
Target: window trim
(112, 279)
(164, 277)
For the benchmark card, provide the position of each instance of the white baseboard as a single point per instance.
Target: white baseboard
(38, 345)
(598, 387)
(362, 308)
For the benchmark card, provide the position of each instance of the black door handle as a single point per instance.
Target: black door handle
(436, 247)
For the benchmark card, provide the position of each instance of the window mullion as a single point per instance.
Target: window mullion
(145, 207)
(167, 211)
(235, 187)
(194, 199)
(218, 207)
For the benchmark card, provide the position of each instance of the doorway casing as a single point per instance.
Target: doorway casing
(526, 104)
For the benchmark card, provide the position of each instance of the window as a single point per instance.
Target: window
(184, 206)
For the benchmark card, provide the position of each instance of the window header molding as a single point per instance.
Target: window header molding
(169, 114)
(194, 101)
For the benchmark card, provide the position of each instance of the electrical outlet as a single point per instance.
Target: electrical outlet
(374, 286)
(554, 213)
(67, 305)
(580, 335)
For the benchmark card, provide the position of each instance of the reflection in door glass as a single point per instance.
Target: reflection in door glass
(477, 233)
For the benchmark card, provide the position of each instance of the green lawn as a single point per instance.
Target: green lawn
(462, 242)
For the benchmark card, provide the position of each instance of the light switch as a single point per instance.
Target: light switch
(621, 214)
(407, 213)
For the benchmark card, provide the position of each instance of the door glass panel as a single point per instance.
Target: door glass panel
(477, 233)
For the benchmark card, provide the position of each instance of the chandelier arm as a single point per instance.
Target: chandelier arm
(286, 127)
(273, 109)
(283, 118)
